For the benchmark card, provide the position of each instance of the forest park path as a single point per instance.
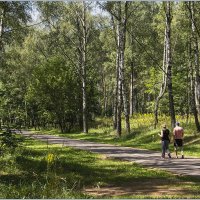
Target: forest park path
(187, 166)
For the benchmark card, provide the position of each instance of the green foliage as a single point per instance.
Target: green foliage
(40, 83)
(9, 141)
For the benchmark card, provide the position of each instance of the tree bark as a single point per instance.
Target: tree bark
(120, 16)
(105, 95)
(116, 90)
(2, 13)
(192, 85)
(195, 82)
(119, 107)
(81, 25)
(119, 81)
(133, 91)
(169, 63)
(121, 63)
(196, 56)
(163, 85)
(85, 126)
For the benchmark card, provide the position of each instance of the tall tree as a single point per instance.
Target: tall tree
(133, 90)
(120, 13)
(192, 85)
(195, 82)
(13, 20)
(196, 54)
(82, 28)
(168, 8)
(13, 16)
(164, 83)
(79, 36)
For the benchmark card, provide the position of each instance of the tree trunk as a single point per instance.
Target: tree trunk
(119, 107)
(116, 90)
(122, 43)
(119, 83)
(26, 113)
(192, 95)
(1, 35)
(197, 77)
(132, 107)
(196, 56)
(105, 96)
(81, 26)
(169, 64)
(1, 23)
(195, 82)
(188, 96)
(121, 20)
(163, 86)
(133, 92)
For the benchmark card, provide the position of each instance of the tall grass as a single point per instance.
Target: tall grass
(33, 172)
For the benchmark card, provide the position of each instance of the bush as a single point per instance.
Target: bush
(9, 140)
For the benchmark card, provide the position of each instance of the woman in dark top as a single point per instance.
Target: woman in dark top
(165, 141)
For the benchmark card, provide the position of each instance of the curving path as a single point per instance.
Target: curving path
(187, 166)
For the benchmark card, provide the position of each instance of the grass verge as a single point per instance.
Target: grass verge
(38, 171)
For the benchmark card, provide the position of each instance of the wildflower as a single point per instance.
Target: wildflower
(50, 158)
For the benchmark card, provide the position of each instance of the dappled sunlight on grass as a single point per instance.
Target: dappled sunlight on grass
(72, 170)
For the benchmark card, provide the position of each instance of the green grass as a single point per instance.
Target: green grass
(38, 171)
(143, 135)
(53, 171)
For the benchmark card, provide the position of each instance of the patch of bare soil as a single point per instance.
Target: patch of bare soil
(155, 188)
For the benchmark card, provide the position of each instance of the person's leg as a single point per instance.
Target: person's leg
(182, 155)
(163, 149)
(176, 148)
(167, 149)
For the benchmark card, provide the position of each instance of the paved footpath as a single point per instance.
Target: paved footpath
(187, 166)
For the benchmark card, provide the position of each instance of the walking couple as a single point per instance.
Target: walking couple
(177, 138)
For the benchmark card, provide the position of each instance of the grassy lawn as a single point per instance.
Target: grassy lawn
(38, 171)
(143, 133)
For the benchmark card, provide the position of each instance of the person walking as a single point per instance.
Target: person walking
(165, 141)
(178, 134)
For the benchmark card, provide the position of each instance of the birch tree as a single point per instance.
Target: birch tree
(164, 83)
(168, 9)
(120, 14)
(82, 48)
(192, 89)
(194, 71)
(196, 54)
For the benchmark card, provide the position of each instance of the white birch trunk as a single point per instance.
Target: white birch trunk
(163, 85)
(169, 64)
(194, 72)
(196, 56)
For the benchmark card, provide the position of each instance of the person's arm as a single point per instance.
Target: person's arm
(161, 134)
(173, 135)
